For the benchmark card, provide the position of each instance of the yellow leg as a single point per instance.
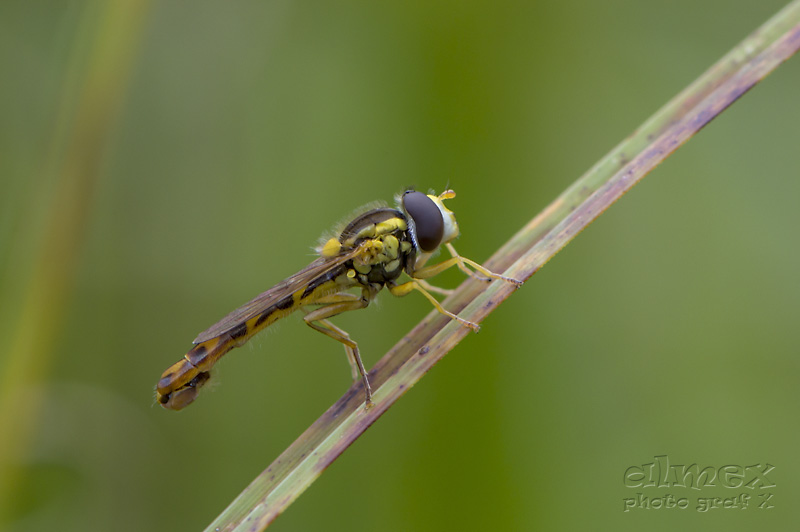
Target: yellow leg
(338, 298)
(461, 262)
(432, 288)
(481, 269)
(317, 320)
(400, 290)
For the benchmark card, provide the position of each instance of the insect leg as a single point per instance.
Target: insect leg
(461, 262)
(433, 288)
(400, 290)
(318, 320)
(340, 298)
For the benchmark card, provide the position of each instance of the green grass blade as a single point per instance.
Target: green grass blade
(294, 470)
(46, 254)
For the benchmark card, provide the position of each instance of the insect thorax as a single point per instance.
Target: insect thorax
(387, 242)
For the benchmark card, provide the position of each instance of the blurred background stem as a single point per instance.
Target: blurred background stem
(44, 253)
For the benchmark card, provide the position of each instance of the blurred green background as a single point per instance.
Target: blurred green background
(163, 162)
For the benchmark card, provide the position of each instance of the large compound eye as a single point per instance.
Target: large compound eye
(428, 220)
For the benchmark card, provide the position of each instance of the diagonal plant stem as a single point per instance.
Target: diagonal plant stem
(294, 470)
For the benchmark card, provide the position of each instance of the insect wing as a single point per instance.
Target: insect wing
(263, 301)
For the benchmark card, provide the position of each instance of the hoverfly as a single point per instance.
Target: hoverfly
(371, 252)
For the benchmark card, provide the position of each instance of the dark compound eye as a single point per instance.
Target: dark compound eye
(428, 221)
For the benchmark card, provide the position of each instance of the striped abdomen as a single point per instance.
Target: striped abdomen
(181, 382)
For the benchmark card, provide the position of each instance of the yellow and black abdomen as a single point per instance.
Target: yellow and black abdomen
(181, 382)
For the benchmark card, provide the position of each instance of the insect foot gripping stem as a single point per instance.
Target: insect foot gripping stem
(400, 290)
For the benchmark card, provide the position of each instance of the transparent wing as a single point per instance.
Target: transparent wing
(288, 286)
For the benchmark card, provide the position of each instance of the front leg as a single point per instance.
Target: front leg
(400, 290)
(481, 273)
